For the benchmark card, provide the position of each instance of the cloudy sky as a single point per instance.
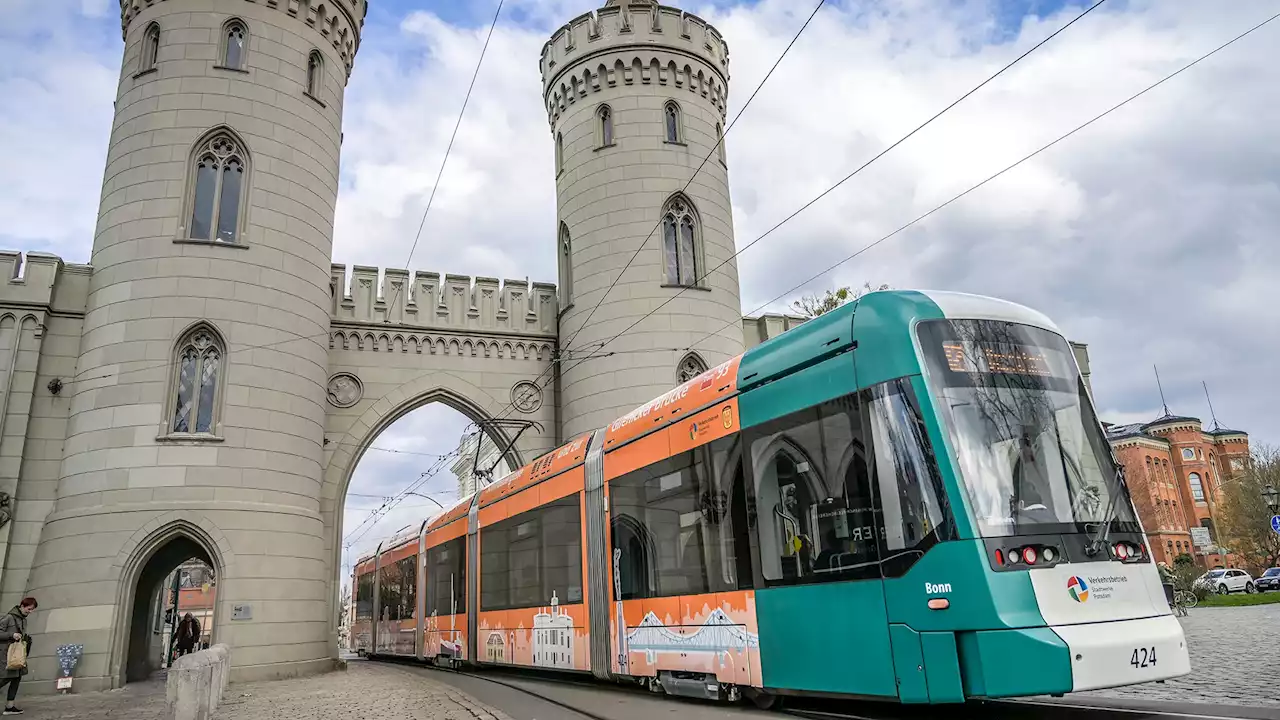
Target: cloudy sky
(1152, 236)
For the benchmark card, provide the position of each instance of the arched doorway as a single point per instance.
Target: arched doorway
(150, 590)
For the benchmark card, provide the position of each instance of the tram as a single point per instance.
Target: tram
(907, 498)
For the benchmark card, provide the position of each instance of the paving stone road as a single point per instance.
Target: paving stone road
(1235, 659)
(366, 691)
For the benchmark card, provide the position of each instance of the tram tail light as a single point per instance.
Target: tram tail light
(1029, 555)
(999, 557)
(1127, 552)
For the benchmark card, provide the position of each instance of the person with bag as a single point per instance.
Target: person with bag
(15, 645)
(188, 634)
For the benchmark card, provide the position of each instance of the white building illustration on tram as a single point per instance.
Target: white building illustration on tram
(553, 637)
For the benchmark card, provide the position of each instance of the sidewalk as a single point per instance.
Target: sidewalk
(366, 691)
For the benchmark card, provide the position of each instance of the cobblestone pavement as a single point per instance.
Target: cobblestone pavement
(1235, 659)
(366, 691)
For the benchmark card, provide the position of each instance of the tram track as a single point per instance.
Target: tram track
(817, 709)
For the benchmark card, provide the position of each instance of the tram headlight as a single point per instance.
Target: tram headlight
(1049, 555)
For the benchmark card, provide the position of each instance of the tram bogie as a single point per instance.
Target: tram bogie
(907, 498)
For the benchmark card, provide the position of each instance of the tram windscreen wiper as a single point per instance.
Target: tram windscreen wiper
(1098, 541)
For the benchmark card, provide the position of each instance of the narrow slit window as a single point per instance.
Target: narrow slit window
(235, 41)
(315, 66)
(605, 115)
(671, 119)
(150, 48)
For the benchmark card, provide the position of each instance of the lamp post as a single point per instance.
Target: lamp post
(1272, 497)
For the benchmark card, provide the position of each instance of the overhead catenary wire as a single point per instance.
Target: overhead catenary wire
(445, 160)
(857, 170)
(999, 173)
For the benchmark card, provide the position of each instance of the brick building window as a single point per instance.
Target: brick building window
(1197, 489)
(1188, 454)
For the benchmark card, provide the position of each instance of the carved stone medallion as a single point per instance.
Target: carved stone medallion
(345, 390)
(526, 397)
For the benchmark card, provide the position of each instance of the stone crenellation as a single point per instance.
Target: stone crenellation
(450, 302)
(339, 21)
(646, 43)
(43, 282)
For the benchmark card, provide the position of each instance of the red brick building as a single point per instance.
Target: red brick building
(1175, 470)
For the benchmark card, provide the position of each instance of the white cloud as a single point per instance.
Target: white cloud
(1151, 236)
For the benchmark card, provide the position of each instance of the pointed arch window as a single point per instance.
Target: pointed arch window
(197, 385)
(689, 368)
(604, 126)
(150, 49)
(559, 153)
(218, 189)
(235, 45)
(720, 144)
(315, 73)
(672, 122)
(566, 267)
(1197, 489)
(681, 243)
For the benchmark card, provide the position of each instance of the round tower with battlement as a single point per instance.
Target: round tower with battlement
(195, 419)
(636, 96)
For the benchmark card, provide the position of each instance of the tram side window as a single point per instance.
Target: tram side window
(526, 559)
(447, 578)
(814, 502)
(671, 529)
(364, 597)
(408, 587)
(389, 600)
(916, 514)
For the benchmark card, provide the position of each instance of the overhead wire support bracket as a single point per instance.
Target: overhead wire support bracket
(519, 425)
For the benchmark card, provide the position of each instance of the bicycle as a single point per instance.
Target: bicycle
(1183, 600)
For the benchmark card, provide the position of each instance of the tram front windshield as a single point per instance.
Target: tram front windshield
(1029, 450)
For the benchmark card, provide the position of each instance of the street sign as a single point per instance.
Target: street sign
(1200, 537)
(1275, 523)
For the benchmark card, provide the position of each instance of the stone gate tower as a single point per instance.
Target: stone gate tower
(636, 95)
(197, 411)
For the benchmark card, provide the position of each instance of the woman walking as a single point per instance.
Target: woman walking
(13, 629)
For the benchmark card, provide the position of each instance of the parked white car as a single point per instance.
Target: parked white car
(1227, 580)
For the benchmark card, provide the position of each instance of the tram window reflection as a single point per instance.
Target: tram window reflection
(816, 511)
(672, 529)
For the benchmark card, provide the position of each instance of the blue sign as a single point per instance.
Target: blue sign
(1275, 523)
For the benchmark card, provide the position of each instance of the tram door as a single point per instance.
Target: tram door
(820, 602)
